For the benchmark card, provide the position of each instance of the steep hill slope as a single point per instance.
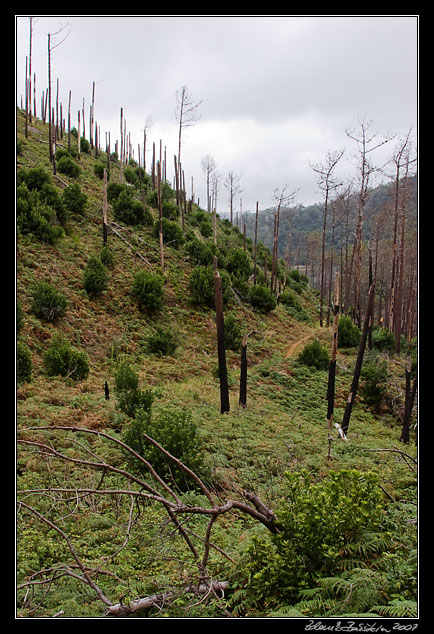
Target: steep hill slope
(282, 428)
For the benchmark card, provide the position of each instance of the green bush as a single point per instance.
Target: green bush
(374, 377)
(383, 339)
(130, 397)
(114, 189)
(148, 291)
(48, 303)
(289, 299)
(348, 333)
(84, 145)
(99, 170)
(201, 252)
(67, 165)
(170, 210)
(33, 177)
(162, 341)
(238, 263)
(95, 276)
(262, 298)
(172, 232)
(131, 176)
(35, 217)
(24, 363)
(128, 209)
(74, 199)
(315, 355)
(325, 527)
(106, 256)
(50, 196)
(201, 284)
(233, 334)
(64, 360)
(177, 433)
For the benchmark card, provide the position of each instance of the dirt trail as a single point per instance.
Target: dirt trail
(295, 344)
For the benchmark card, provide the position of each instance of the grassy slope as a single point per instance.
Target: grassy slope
(284, 424)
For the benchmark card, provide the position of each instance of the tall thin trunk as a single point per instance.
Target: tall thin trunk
(223, 376)
(160, 211)
(256, 243)
(359, 361)
(243, 373)
(104, 209)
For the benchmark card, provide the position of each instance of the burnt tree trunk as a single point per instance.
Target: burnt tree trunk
(243, 373)
(410, 394)
(104, 210)
(359, 361)
(332, 366)
(223, 375)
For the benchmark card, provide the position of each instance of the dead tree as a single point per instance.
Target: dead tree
(232, 184)
(255, 252)
(359, 362)
(327, 183)
(136, 492)
(332, 366)
(221, 351)
(186, 115)
(243, 370)
(160, 214)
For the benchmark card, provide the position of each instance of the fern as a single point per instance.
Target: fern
(397, 608)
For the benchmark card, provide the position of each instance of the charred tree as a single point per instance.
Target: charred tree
(359, 361)
(223, 375)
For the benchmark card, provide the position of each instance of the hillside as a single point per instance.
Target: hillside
(74, 485)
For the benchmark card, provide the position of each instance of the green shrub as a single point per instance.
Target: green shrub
(99, 170)
(325, 527)
(170, 210)
(35, 218)
(162, 341)
(201, 252)
(84, 145)
(289, 299)
(128, 209)
(383, 339)
(67, 165)
(24, 363)
(33, 177)
(114, 189)
(172, 232)
(177, 433)
(262, 298)
(148, 290)
(131, 176)
(374, 377)
(233, 334)
(348, 333)
(130, 397)
(106, 256)
(48, 303)
(50, 196)
(95, 276)
(64, 360)
(201, 284)
(74, 199)
(238, 263)
(315, 355)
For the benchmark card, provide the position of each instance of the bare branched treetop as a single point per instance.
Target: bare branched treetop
(186, 113)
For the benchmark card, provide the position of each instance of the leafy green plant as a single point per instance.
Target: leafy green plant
(24, 363)
(128, 209)
(322, 526)
(74, 199)
(289, 299)
(35, 217)
(374, 377)
(314, 355)
(238, 263)
(202, 286)
(33, 177)
(130, 397)
(348, 333)
(232, 331)
(48, 303)
(148, 291)
(383, 339)
(176, 431)
(67, 165)
(172, 232)
(162, 341)
(262, 298)
(95, 276)
(64, 360)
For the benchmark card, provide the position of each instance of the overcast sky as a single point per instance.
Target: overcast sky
(277, 92)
